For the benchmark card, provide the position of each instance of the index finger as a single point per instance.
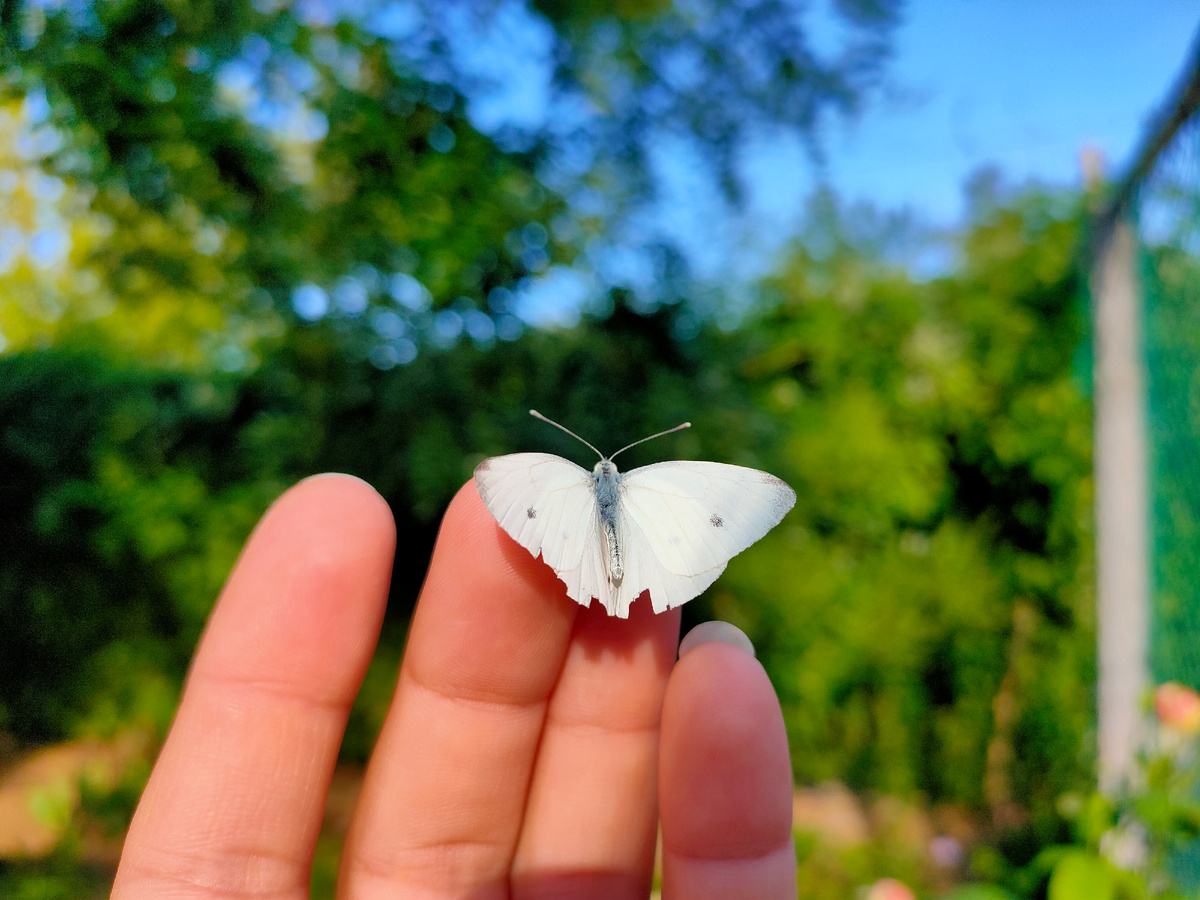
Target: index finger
(234, 804)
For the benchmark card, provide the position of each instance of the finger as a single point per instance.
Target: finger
(234, 804)
(726, 784)
(444, 794)
(592, 815)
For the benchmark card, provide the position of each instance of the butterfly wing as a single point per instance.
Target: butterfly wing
(548, 506)
(681, 522)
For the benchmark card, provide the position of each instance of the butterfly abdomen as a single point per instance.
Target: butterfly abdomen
(608, 481)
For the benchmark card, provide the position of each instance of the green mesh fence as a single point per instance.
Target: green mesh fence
(1169, 232)
(1169, 227)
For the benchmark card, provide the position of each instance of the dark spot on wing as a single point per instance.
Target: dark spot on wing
(768, 478)
(485, 465)
(715, 521)
(531, 513)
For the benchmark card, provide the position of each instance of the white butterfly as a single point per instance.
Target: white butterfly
(670, 528)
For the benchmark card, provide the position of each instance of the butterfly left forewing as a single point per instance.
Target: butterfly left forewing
(687, 519)
(548, 505)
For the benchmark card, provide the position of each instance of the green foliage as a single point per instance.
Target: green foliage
(122, 519)
(1123, 846)
(978, 892)
(942, 482)
(940, 449)
(827, 873)
(225, 154)
(1081, 876)
(329, 166)
(325, 868)
(59, 878)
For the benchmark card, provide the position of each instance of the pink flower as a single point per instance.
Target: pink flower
(1177, 707)
(890, 889)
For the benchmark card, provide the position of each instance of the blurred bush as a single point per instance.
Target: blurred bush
(924, 609)
(933, 631)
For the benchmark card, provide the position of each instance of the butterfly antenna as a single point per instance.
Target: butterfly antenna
(538, 415)
(652, 437)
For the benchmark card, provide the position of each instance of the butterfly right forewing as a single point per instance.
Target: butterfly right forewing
(691, 518)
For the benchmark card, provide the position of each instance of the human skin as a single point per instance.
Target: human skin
(530, 751)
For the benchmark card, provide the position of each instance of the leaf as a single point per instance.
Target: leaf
(1081, 876)
(978, 892)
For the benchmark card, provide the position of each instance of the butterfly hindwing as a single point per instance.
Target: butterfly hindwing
(644, 572)
(548, 506)
(685, 520)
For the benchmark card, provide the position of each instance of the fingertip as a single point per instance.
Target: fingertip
(467, 506)
(472, 549)
(345, 497)
(466, 518)
(339, 478)
(725, 775)
(326, 514)
(481, 546)
(312, 580)
(715, 631)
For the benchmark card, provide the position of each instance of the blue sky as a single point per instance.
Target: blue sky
(1019, 84)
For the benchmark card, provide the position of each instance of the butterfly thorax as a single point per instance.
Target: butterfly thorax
(608, 481)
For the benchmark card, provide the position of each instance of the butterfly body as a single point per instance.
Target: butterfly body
(668, 528)
(608, 484)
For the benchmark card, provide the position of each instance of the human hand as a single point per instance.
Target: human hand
(530, 748)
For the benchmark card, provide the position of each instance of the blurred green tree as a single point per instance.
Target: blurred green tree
(286, 192)
(932, 576)
(927, 608)
(244, 161)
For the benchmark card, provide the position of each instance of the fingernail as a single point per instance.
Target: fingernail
(715, 631)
